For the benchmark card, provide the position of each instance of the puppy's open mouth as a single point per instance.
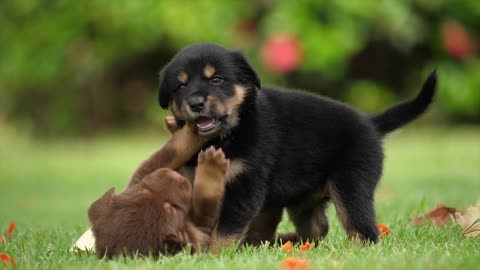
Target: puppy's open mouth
(207, 124)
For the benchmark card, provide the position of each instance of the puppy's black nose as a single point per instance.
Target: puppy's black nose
(196, 103)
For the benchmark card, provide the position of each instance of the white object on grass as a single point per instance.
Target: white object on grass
(86, 242)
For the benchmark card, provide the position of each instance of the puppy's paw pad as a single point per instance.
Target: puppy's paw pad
(213, 157)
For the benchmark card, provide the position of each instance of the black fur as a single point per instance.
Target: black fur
(292, 143)
(405, 112)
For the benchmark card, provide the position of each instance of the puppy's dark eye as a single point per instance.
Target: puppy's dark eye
(177, 207)
(216, 80)
(180, 86)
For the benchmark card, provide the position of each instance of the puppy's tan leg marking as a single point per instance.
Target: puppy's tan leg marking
(309, 216)
(312, 227)
(237, 167)
(263, 227)
(224, 241)
(342, 214)
(208, 71)
(293, 237)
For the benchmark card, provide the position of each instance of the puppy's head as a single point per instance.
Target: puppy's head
(207, 84)
(147, 218)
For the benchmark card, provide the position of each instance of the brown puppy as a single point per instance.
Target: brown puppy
(159, 213)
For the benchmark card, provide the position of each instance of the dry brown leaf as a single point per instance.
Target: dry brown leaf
(439, 216)
(469, 221)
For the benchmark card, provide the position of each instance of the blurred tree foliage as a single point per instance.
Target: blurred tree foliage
(69, 67)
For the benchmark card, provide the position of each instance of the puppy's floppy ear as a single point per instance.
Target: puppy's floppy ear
(164, 94)
(101, 206)
(246, 72)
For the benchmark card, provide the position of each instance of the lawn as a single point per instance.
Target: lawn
(46, 187)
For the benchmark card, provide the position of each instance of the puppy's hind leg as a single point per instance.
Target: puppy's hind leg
(352, 192)
(309, 218)
(264, 226)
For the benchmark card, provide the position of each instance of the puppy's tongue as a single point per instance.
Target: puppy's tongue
(204, 122)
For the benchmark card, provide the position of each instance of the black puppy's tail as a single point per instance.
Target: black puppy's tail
(404, 112)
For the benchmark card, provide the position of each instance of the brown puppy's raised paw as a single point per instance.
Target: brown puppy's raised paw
(213, 160)
(208, 188)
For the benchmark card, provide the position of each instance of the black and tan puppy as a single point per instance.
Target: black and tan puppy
(287, 148)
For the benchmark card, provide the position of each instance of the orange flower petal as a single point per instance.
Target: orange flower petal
(5, 258)
(12, 227)
(305, 247)
(383, 229)
(287, 247)
(12, 260)
(292, 263)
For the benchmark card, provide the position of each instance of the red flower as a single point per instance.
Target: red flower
(292, 263)
(287, 247)
(305, 247)
(282, 53)
(457, 40)
(11, 228)
(383, 229)
(7, 259)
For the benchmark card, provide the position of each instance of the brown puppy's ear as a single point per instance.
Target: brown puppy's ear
(164, 94)
(246, 72)
(100, 206)
(173, 244)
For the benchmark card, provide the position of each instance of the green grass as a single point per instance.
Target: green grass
(47, 186)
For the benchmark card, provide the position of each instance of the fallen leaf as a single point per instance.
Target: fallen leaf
(293, 263)
(439, 216)
(469, 221)
(287, 247)
(305, 247)
(383, 229)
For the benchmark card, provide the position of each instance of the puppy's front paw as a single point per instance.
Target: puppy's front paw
(213, 159)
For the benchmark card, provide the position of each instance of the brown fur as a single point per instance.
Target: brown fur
(342, 214)
(309, 216)
(154, 215)
(233, 104)
(183, 77)
(208, 71)
(178, 150)
(218, 241)
(237, 167)
(263, 227)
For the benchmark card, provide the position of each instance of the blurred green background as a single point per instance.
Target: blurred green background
(75, 68)
(78, 105)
